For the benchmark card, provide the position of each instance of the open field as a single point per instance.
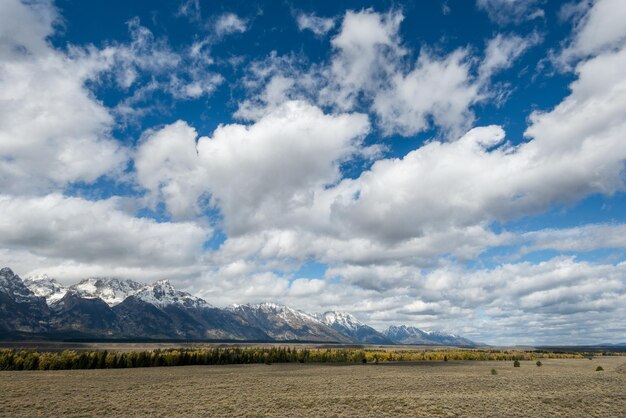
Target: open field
(561, 387)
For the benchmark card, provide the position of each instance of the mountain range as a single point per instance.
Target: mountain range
(111, 308)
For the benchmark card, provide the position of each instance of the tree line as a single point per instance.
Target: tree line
(71, 359)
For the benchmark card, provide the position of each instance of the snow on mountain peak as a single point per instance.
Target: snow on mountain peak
(161, 293)
(13, 285)
(111, 290)
(412, 335)
(284, 311)
(344, 319)
(46, 287)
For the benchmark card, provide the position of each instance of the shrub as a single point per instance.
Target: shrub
(445, 358)
(516, 363)
(539, 363)
(599, 369)
(494, 371)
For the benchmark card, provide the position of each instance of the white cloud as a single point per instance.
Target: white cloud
(96, 233)
(437, 200)
(558, 300)
(368, 68)
(367, 71)
(229, 23)
(184, 74)
(27, 27)
(275, 92)
(502, 51)
(191, 10)
(366, 52)
(390, 235)
(50, 124)
(257, 173)
(599, 29)
(506, 12)
(576, 150)
(320, 26)
(167, 164)
(584, 238)
(441, 89)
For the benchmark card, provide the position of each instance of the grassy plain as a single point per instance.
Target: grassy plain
(561, 387)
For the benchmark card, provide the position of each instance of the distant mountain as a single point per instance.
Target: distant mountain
(111, 290)
(162, 293)
(88, 316)
(167, 317)
(348, 325)
(100, 307)
(46, 287)
(284, 323)
(20, 309)
(415, 336)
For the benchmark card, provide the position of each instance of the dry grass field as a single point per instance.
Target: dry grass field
(561, 387)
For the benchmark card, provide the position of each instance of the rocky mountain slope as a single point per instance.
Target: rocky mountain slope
(46, 287)
(348, 325)
(98, 308)
(284, 323)
(111, 290)
(20, 309)
(415, 336)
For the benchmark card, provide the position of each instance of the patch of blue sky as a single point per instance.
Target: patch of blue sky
(311, 270)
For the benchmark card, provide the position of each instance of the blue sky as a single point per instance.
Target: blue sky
(447, 164)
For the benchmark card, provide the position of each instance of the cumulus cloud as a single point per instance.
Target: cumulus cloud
(502, 51)
(400, 207)
(334, 243)
(561, 299)
(540, 296)
(229, 23)
(147, 65)
(584, 238)
(574, 151)
(598, 27)
(50, 124)
(320, 26)
(255, 174)
(96, 232)
(368, 71)
(505, 12)
(190, 9)
(167, 164)
(394, 235)
(366, 51)
(440, 90)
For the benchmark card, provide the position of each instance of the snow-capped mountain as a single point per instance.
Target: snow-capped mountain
(415, 336)
(20, 309)
(348, 325)
(110, 290)
(124, 309)
(284, 323)
(46, 287)
(161, 293)
(12, 285)
(85, 316)
(343, 319)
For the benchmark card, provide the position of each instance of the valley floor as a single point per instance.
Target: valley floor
(561, 387)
